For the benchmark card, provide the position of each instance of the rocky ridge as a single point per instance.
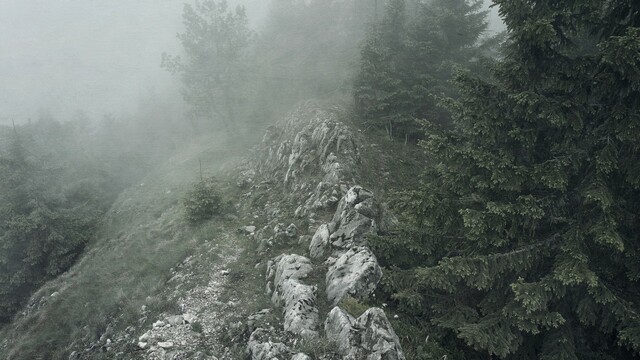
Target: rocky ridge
(311, 157)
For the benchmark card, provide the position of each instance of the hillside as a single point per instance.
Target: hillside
(154, 287)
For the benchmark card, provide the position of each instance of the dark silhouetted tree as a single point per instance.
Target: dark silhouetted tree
(523, 238)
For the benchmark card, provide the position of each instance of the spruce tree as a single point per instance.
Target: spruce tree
(380, 94)
(523, 239)
(407, 62)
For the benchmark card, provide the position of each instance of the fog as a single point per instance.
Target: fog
(99, 56)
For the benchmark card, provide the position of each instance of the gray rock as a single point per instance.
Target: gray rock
(377, 336)
(250, 229)
(339, 328)
(368, 337)
(175, 320)
(165, 344)
(305, 240)
(292, 230)
(297, 299)
(300, 356)
(158, 324)
(319, 242)
(260, 347)
(355, 273)
(189, 318)
(354, 228)
(144, 337)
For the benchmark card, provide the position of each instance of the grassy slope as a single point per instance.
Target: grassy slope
(142, 237)
(145, 236)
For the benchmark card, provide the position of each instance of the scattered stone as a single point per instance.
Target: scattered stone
(189, 318)
(260, 347)
(175, 320)
(292, 230)
(158, 324)
(144, 337)
(165, 344)
(224, 272)
(248, 230)
(301, 356)
(142, 345)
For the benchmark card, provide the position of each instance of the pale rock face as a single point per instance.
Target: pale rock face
(319, 242)
(339, 328)
(189, 318)
(310, 141)
(175, 320)
(165, 345)
(368, 337)
(353, 230)
(297, 299)
(377, 336)
(355, 273)
(261, 348)
(300, 356)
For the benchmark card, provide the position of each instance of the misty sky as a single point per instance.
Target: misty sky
(100, 56)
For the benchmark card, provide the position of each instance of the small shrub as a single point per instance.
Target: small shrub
(203, 201)
(354, 307)
(196, 327)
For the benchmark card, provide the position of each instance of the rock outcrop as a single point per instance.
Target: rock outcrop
(297, 299)
(370, 336)
(311, 142)
(356, 273)
(312, 158)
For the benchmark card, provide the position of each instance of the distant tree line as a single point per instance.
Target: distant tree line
(57, 179)
(233, 76)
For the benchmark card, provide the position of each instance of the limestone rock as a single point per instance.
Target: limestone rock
(250, 229)
(189, 318)
(368, 337)
(260, 347)
(165, 345)
(339, 328)
(297, 299)
(300, 356)
(319, 242)
(377, 336)
(175, 320)
(355, 273)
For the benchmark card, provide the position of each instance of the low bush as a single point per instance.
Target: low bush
(203, 201)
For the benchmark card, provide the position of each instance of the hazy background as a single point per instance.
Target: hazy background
(100, 56)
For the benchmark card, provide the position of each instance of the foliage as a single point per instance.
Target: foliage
(353, 306)
(47, 216)
(213, 74)
(307, 50)
(406, 62)
(203, 201)
(525, 223)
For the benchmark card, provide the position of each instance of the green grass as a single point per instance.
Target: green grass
(143, 236)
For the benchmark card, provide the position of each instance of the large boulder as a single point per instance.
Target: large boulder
(356, 273)
(370, 336)
(298, 300)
